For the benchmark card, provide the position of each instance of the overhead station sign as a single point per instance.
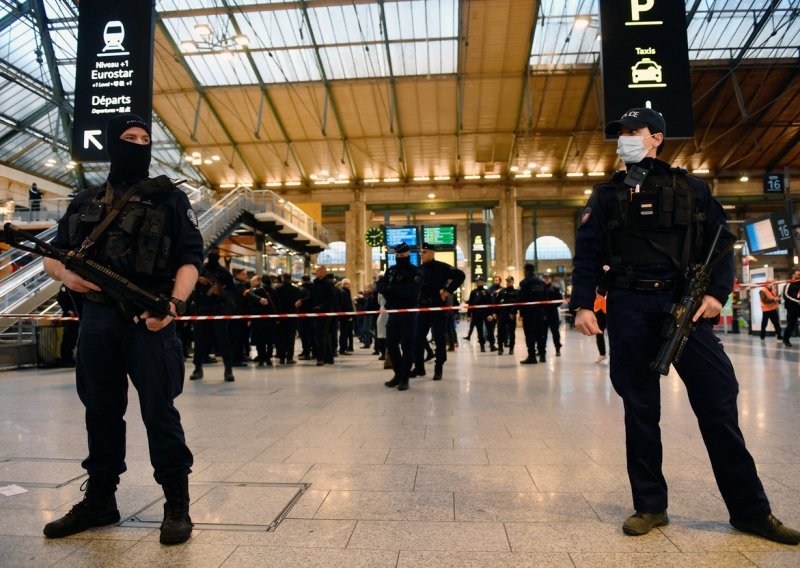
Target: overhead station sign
(645, 58)
(114, 70)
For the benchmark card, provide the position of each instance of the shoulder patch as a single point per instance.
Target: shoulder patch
(192, 217)
(586, 214)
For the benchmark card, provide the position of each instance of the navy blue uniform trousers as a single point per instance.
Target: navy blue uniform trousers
(436, 322)
(110, 349)
(400, 333)
(635, 321)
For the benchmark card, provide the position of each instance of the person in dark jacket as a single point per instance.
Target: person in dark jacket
(791, 299)
(213, 296)
(551, 316)
(439, 280)
(345, 322)
(155, 243)
(240, 328)
(323, 299)
(289, 301)
(260, 300)
(506, 317)
(480, 296)
(400, 286)
(647, 225)
(531, 289)
(305, 327)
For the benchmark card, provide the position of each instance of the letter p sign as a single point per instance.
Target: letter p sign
(639, 6)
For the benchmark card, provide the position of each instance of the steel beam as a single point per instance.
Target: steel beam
(268, 97)
(393, 94)
(326, 83)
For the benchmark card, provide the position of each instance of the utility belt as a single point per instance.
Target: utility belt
(643, 284)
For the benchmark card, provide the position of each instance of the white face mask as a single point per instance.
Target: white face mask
(631, 148)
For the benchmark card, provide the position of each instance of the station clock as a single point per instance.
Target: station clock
(374, 236)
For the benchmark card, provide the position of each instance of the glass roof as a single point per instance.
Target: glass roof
(718, 30)
(421, 34)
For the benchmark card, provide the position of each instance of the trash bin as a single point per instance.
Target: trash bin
(48, 343)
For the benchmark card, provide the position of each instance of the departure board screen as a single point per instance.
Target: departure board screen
(443, 235)
(396, 235)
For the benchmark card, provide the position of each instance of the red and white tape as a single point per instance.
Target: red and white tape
(307, 315)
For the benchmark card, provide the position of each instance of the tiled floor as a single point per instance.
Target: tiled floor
(497, 465)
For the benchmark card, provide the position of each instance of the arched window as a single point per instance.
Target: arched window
(335, 254)
(549, 248)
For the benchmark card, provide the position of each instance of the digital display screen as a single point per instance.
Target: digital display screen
(397, 235)
(444, 235)
(760, 235)
(390, 258)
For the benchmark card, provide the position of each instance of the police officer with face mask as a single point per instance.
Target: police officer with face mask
(641, 231)
(401, 287)
(153, 240)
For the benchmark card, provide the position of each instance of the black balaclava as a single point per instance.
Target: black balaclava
(129, 161)
(403, 260)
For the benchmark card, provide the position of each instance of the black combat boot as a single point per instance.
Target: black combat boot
(403, 384)
(437, 373)
(393, 383)
(229, 374)
(177, 525)
(98, 508)
(196, 374)
(542, 358)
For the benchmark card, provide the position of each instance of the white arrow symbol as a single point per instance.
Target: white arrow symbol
(89, 136)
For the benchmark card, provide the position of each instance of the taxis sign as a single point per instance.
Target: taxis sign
(645, 59)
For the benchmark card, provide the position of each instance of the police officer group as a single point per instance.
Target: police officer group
(638, 234)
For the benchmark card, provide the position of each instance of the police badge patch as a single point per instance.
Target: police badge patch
(586, 214)
(192, 217)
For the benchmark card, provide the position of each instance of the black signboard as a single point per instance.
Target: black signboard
(480, 252)
(114, 72)
(773, 183)
(645, 58)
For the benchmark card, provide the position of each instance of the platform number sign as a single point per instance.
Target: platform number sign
(774, 183)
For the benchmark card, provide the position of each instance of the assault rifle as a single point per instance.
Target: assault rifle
(679, 324)
(132, 299)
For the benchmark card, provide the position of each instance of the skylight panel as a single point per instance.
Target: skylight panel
(218, 69)
(287, 66)
(354, 61)
(273, 28)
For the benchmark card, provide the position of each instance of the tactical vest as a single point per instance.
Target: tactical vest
(135, 244)
(656, 227)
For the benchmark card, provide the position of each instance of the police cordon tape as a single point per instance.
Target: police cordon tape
(308, 315)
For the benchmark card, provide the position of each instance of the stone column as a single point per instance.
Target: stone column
(358, 253)
(508, 235)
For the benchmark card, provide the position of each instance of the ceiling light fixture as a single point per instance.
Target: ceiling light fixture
(431, 196)
(422, 178)
(492, 176)
(472, 177)
(574, 174)
(441, 178)
(544, 175)
(597, 174)
(371, 180)
(206, 41)
(391, 180)
(700, 171)
(293, 183)
(744, 178)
